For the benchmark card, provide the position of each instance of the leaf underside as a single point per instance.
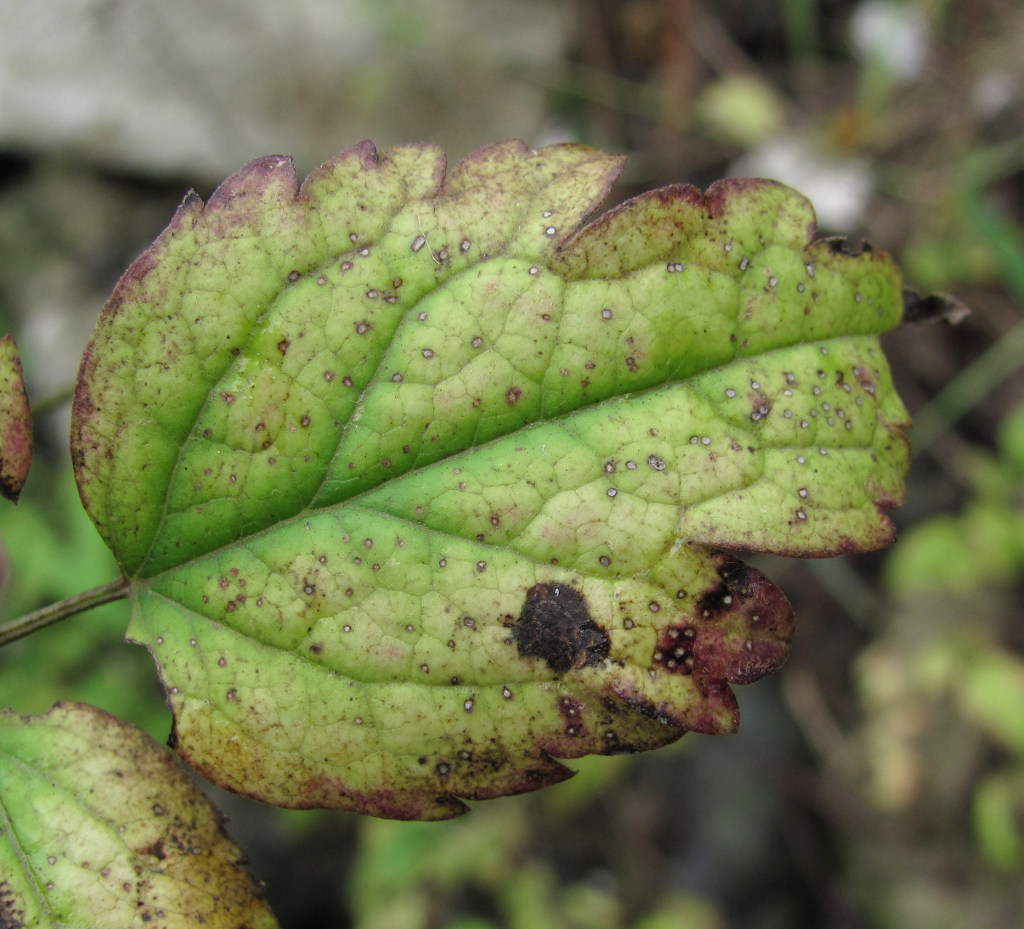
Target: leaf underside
(422, 484)
(15, 422)
(100, 827)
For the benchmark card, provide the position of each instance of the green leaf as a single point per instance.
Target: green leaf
(15, 422)
(422, 485)
(100, 827)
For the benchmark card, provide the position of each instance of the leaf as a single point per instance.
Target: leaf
(422, 485)
(100, 827)
(15, 422)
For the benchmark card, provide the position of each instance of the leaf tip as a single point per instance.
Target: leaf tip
(930, 308)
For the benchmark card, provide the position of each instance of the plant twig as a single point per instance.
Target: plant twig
(77, 603)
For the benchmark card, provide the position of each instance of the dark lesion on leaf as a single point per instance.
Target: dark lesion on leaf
(732, 592)
(556, 626)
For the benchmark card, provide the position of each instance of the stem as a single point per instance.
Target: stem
(53, 402)
(77, 603)
(968, 388)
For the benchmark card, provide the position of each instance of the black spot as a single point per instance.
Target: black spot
(674, 652)
(733, 590)
(736, 576)
(556, 626)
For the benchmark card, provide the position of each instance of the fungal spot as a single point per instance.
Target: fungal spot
(534, 271)
(362, 327)
(468, 705)
(481, 566)
(655, 462)
(305, 421)
(513, 394)
(428, 353)
(227, 398)
(464, 246)
(606, 313)
(613, 492)
(555, 626)
(476, 341)
(506, 693)
(293, 276)
(282, 346)
(551, 230)
(730, 393)
(605, 561)
(364, 252)
(674, 267)
(631, 466)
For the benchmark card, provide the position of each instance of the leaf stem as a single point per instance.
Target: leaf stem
(77, 603)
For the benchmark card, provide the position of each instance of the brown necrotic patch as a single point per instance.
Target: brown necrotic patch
(742, 627)
(555, 625)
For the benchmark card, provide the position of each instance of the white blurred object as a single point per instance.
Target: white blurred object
(892, 33)
(838, 188)
(995, 93)
(199, 87)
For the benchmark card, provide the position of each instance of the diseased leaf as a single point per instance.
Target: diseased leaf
(100, 827)
(15, 422)
(422, 485)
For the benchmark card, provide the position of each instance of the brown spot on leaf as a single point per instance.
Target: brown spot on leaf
(513, 394)
(555, 625)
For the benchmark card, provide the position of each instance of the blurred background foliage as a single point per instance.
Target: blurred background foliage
(878, 780)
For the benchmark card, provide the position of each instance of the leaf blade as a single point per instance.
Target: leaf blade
(102, 828)
(463, 470)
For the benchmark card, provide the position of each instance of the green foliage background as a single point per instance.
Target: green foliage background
(879, 779)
